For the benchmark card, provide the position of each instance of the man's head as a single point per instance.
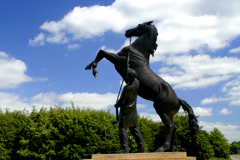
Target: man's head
(131, 74)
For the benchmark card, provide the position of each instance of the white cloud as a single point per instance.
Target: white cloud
(200, 82)
(141, 106)
(12, 72)
(235, 50)
(233, 82)
(230, 132)
(38, 40)
(182, 25)
(3, 55)
(44, 99)
(123, 83)
(13, 102)
(232, 90)
(154, 117)
(126, 43)
(73, 46)
(202, 111)
(191, 72)
(212, 99)
(57, 38)
(173, 71)
(94, 100)
(86, 22)
(108, 50)
(225, 111)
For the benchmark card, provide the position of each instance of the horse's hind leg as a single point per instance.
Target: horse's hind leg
(170, 129)
(100, 55)
(174, 137)
(174, 134)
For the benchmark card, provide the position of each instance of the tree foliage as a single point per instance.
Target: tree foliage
(203, 146)
(74, 133)
(234, 147)
(198, 145)
(219, 143)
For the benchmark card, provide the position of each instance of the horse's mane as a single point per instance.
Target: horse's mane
(155, 32)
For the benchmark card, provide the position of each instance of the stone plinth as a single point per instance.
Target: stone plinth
(144, 156)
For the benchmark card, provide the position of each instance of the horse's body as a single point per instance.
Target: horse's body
(152, 87)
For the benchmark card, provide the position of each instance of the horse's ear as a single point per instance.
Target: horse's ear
(149, 23)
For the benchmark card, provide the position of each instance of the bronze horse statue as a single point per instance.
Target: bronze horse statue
(152, 87)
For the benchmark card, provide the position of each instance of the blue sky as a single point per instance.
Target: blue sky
(45, 46)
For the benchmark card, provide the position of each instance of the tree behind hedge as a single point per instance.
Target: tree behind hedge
(234, 147)
(219, 143)
(195, 145)
(202, 146)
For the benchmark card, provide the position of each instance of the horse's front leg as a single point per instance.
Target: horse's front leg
(100, 55)
(93, 66)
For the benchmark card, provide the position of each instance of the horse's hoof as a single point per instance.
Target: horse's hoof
(160, 149)
(95, 73)
(88, 67)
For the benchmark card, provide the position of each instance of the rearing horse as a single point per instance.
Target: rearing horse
(152, 87)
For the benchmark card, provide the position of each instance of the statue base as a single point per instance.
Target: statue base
(144, 156)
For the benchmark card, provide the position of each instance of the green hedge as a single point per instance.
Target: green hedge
(70, 133)
(74, 133)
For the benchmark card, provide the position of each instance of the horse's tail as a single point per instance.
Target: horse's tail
(193, 123)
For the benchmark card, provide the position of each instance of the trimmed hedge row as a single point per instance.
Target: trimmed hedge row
(74, 133)
(70, 133)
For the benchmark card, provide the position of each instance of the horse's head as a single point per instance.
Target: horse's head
(137, 31)
(148, 45)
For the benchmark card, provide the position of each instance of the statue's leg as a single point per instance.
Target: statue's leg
(138, 138)
(166, 106)
(113, 58)
(123, 141)
(170, 128)
(174, 137)
(174, 134)
(104, 54)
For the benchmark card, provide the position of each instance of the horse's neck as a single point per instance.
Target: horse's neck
(144, 43)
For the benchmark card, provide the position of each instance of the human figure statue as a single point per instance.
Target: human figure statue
(128, 114)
